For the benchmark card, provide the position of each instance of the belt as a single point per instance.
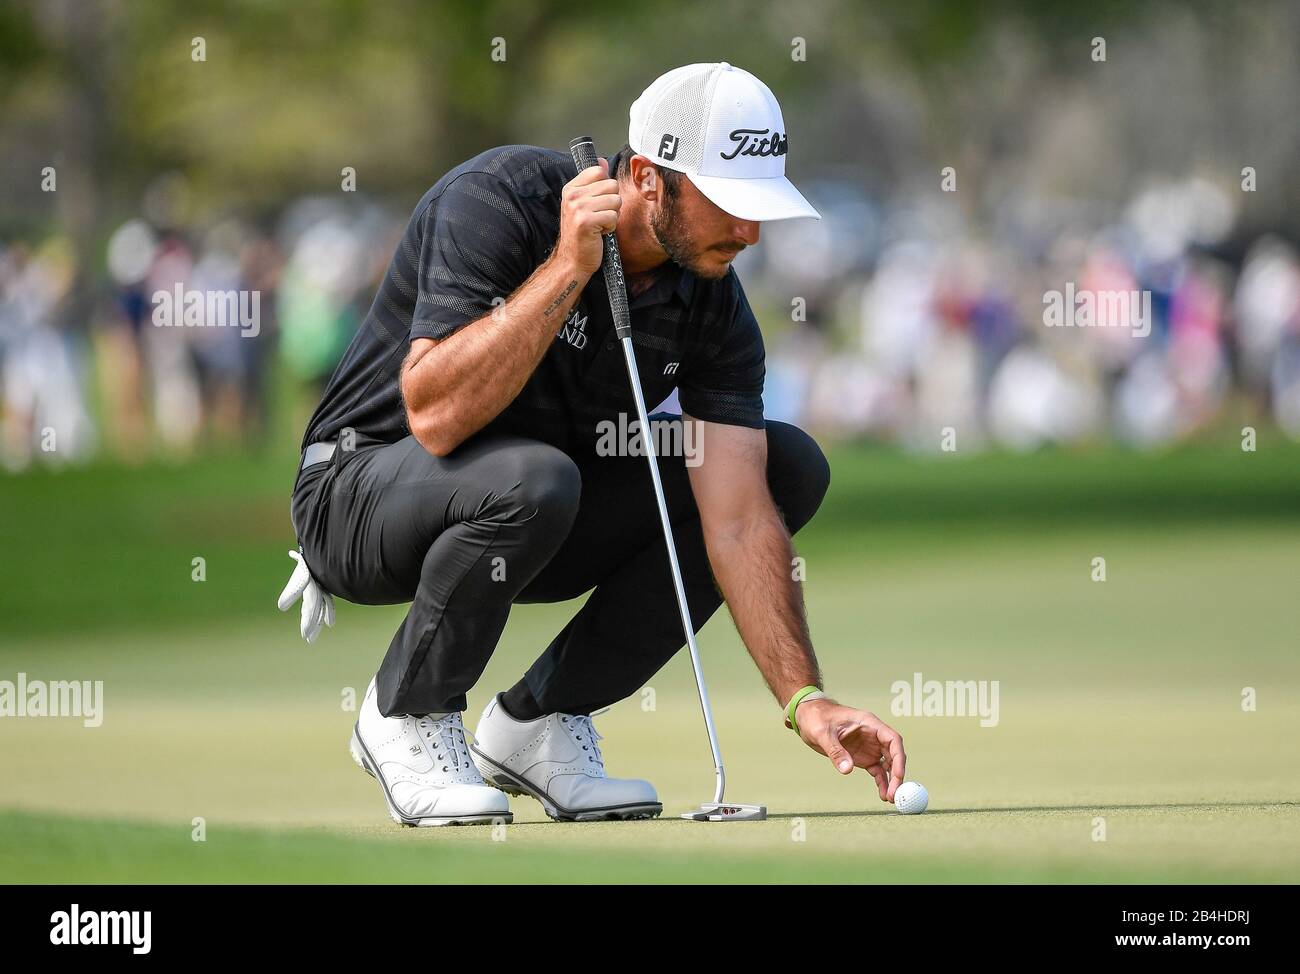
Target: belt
(317, 453)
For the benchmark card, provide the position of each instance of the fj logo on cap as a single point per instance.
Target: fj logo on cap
(756, 142)
(668, 147)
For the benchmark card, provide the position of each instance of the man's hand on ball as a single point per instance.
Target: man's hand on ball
(854, 738)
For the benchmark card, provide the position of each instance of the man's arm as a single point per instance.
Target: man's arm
(751, 555)
(455, 386)
(753, 560)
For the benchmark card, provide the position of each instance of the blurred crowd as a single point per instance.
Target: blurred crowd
(913, 325)
(888, 320)
(133, 381)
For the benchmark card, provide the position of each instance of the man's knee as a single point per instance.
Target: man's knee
(797, 473)
(540, 486)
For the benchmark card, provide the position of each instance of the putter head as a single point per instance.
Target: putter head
(726, 812)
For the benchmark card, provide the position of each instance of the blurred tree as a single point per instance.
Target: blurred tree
(401, 90)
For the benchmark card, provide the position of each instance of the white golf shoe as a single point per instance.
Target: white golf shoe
(556, 759)
(424, 769)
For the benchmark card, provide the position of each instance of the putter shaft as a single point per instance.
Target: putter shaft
(647, 442)
(583, 150)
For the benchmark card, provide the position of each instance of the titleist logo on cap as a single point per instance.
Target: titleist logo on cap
(748, 143)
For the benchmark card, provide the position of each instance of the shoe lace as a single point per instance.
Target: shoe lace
(586, 736)
(448, 736)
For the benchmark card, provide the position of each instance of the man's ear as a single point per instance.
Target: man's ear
(645, 177)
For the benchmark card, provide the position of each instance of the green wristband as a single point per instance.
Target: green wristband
(793, 705)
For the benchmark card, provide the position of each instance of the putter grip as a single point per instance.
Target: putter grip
(584, 157)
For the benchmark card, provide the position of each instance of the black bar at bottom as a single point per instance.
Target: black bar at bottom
(207, 923)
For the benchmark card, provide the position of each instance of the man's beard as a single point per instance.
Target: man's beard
(676, 240)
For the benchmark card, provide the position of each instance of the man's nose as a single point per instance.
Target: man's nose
(747, 232)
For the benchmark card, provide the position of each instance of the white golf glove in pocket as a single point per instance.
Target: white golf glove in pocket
(317, 604)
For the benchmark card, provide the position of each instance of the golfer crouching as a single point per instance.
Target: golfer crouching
(460, 461)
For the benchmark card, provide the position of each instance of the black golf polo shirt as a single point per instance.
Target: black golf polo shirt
(473, 239)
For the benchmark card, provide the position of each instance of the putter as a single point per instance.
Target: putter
(584, 157)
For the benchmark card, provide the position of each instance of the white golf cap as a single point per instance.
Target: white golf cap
(722, 128)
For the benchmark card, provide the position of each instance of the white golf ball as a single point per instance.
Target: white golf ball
(911, 798)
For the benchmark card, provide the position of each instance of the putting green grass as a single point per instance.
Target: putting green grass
(1159, 844)
(1119, 706)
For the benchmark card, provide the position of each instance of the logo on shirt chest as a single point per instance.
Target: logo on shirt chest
(574, 329)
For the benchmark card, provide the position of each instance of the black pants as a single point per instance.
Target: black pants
(504, 520)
